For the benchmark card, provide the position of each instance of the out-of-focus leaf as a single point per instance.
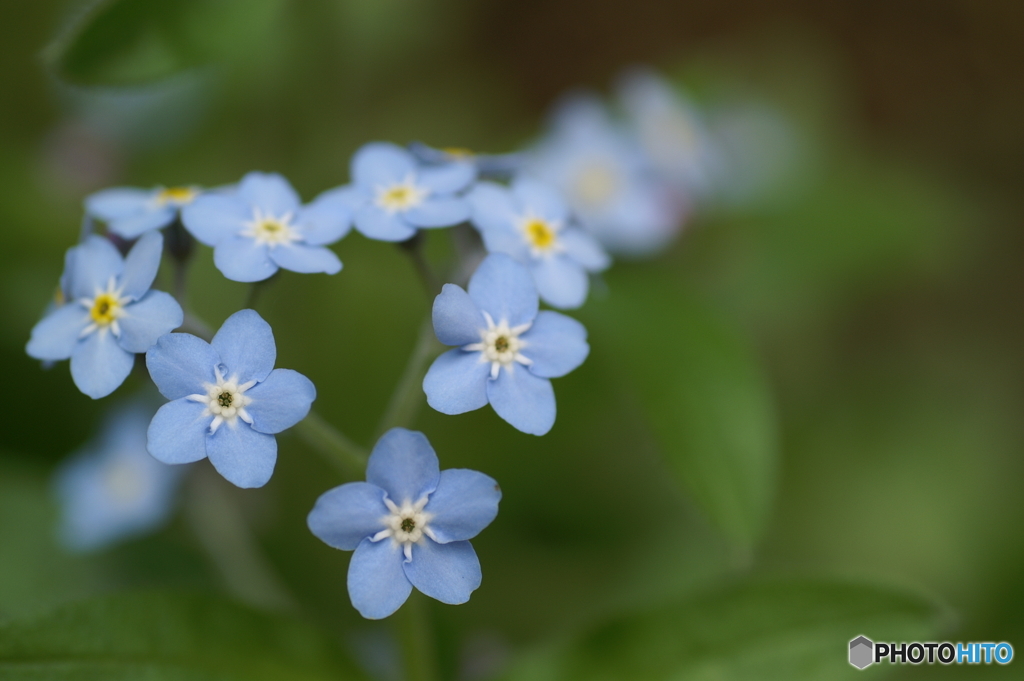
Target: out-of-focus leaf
(160, 636)
(705, 397)
(128, 42)
(797, 631)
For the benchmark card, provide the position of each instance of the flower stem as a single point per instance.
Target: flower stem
(344, 454)
(407, 398)
(417, 640)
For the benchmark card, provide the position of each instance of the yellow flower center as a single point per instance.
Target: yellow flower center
(105, 309)
(176, 195)
(271, 229)
(400, 196)
(539, 234)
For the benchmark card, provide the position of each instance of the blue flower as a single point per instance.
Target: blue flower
(394, 195)
(262, 226)
(507, 349)
(409, 524)
(110, 313)
(531, 223)
(113, 489)
(227, 400)
(131, 212)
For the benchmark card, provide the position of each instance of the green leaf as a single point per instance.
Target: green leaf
(796, 631)
(157, 636)
(705, 397)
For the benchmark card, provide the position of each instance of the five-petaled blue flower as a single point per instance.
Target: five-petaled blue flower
(113, 489)
(531, 223)
(393, 194)
(409, 524)
(228, 401)
(110, 313)
(261, 225)
(507, 349)
(130, 212)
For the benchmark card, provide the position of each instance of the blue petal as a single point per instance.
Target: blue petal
(92, 263)
(145, 321)
(540, 199)
(269, 192)
(374, 223)
(584, 249)
(447, 572)
(438, 212)
(346, 515)
(556, 345)
(504, 289)
(131, 226)
(404, 465)
(507, 240)
(377, 584)
(177, 434)
(492, 207)
(464, 503)
(180, 364)
(560, 281)
(240, 258)
(141, 265)
(281, 401)
(457, 321)
(306, 259)
(457, 382)
(245, 343)
(56, 334)
(524, 400)
(99, 365)
(244, 457)
(119, 202)
(211, 218)
(328, 218)
(448, 178)
(381, 163)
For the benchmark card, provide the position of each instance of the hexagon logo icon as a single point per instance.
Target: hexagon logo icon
(861, 652)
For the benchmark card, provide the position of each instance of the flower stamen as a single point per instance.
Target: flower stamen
(401, 196)
(225, 401)
(500, 345)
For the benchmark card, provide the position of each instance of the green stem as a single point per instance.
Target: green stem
(407, 398)
(417, 640)
(344, 454)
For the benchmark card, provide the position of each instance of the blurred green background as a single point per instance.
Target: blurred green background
(822, 381)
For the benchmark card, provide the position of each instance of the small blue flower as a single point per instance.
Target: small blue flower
(531, 223)
(130, 212)
(393, 194)
(507, 349)
(110, 313)
(227, 400)
(113, 489)
(409, 524)
(262, 225)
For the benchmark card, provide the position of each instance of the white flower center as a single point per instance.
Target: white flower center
(401, 196)
(225, 401)
(501, 345)
(124, 482)
(406, 524)
(596, 183)
(540, 235)
(271, 230)
(105, 308)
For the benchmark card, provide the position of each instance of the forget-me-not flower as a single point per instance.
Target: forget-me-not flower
(393, 194)
(530, 222)
(507, 349)
(130, 212)
(113, 489)
(261, 225)
(227, 400)
(109, 313)
(409, 525)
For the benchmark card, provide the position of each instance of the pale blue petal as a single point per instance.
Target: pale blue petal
(56, 334)
(119, 202)
(269, 192)
(457, 382)
(560, 281)
(457, 321)
(377, 584)
(141, 265)
(177, 434)
(211, 218)
(375, 223)
(145, 321)
(404, 465)
(540, 199)
(306, 259)
(281, 401)
(328, 218)
(131, 226)
(524, 400)
(509, 241)
(504, 289)
(381, 163)
(448, 178)
(240, 258)
(447, 572)
(346, 515)
(438, 212)
(244, 457)
(245, 343)
(464, 503)
(99, 365)
(584, 249)
(92, 264)
(180, 364)
(556, 344)
(491, 207)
